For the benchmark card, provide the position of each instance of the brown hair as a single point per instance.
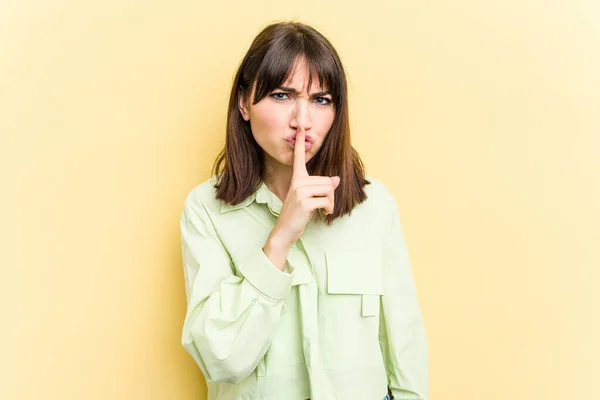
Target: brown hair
(268, 63)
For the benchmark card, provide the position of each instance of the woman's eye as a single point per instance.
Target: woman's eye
(323, 100)
(280, 96)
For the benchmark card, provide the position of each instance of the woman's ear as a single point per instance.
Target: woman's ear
(243, 106)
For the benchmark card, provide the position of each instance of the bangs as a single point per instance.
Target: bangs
(283, 57)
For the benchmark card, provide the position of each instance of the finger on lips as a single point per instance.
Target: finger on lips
(319, 190)
(299, 156)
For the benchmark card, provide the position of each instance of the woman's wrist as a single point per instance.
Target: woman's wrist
(276, 249)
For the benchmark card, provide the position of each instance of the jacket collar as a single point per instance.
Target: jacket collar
(262, 196)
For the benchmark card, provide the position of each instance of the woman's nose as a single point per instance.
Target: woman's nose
(301, 115)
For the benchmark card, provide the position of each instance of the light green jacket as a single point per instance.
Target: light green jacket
(341, 322)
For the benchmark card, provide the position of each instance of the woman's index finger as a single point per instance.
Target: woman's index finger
(299, 155)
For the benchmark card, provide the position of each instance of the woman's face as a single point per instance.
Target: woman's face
(277, 118)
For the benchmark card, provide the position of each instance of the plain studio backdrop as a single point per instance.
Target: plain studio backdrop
(482, 117)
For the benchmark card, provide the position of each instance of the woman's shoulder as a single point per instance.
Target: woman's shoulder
(204, 193)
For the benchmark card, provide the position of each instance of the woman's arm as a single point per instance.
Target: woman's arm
(230, 320)
(402, 332)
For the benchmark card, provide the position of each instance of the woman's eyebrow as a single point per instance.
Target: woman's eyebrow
(320, 94)
(288, 89)
(294, 91)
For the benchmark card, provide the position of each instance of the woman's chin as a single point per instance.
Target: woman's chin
(286, 160)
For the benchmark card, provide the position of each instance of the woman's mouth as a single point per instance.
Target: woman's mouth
(307, 145)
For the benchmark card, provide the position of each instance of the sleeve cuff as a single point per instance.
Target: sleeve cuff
(264, 275)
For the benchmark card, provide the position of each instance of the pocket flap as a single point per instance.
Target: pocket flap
(353, 272)
(370, 305)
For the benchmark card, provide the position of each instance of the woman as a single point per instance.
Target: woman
(297, 276)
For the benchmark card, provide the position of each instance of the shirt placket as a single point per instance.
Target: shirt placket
(308, 293)
(309, 298)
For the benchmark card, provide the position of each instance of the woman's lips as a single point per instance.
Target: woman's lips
(307, 145)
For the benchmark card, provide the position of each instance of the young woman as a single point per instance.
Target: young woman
(297, 276)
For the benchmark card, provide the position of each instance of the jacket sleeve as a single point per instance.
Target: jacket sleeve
(402, 333)
(230, 319)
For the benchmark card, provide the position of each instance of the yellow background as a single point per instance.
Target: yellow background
(482, 117)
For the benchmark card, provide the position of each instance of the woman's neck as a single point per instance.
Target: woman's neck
(278, 179)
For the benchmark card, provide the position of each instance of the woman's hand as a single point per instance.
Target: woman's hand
(305, 195)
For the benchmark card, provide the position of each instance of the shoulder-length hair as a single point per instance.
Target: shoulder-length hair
(268, 63)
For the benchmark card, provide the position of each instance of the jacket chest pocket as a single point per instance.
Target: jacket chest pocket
(354, 290)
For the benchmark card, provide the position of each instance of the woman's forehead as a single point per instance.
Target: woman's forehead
(303, 79)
